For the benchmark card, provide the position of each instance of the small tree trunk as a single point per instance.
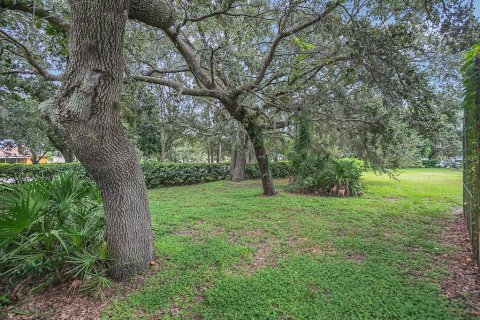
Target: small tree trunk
(34, 158)
(238, 173)
(68, 155)
(255, 132)
(58, 141)
(250, 153)
(219, 153)
(233, 157)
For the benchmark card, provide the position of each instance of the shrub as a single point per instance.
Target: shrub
(280, 169)
(157, 174)
(53, 230)
(321, 174)
(430, 163)
(23, 172)
(345, 172)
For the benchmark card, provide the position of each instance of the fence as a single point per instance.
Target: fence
(471, 146)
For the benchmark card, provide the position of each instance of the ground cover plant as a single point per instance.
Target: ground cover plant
(226, 252)
(52, 231)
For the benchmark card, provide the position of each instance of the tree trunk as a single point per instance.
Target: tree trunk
(57, 140)
(433, 153)
(233, 156)
(255, 131)
(68, 155)
(34, 158)
(219, 152)
(238, 172)
(250, 153)
(87, 114)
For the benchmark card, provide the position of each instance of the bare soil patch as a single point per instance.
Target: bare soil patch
(55, 304)
(463, 283)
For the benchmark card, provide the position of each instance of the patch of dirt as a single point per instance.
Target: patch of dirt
(356, 257)
(260, 256)
(199, 297)
(392, 199)
(304, 245)
(58, 303)
(463, 284)
(197, 233)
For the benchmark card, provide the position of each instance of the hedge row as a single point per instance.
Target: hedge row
(157, 174)
(430, 163)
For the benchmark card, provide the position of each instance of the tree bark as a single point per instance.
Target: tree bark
(255, 132)
(219, 152)
(68, 155)
(86, 112)
(250, 153)
(233, 156)
(58, 142)
(238, 171)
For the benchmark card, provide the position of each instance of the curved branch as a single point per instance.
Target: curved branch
(155, 13)
(29, 56)
(190, 58)
(177, 86)
(211, 14)
(39, 12)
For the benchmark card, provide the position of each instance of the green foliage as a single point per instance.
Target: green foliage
(157, 174)
(320, 174)
(22, 172)
(430, 163)
(345, 172)
(471, 104)
(53, 230)
(280, 169)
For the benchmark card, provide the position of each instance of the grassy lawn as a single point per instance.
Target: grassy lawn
(226, 252)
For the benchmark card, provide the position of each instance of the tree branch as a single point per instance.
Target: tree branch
(281, 36)
(29, 56)
(177, 86)
(211, 14)
(32, 8)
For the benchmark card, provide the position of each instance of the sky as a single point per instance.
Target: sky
(477, 7)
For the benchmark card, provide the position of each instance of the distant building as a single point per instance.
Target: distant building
(58, 159)
(12, 155)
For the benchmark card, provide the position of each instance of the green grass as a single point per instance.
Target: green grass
(227, 252)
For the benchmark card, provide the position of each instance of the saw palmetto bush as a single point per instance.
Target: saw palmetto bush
(52, 231)
(346, 172)
(318, 172)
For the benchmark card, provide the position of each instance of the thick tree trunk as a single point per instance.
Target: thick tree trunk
(255, 133)
(87, 114)
(238, 171)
